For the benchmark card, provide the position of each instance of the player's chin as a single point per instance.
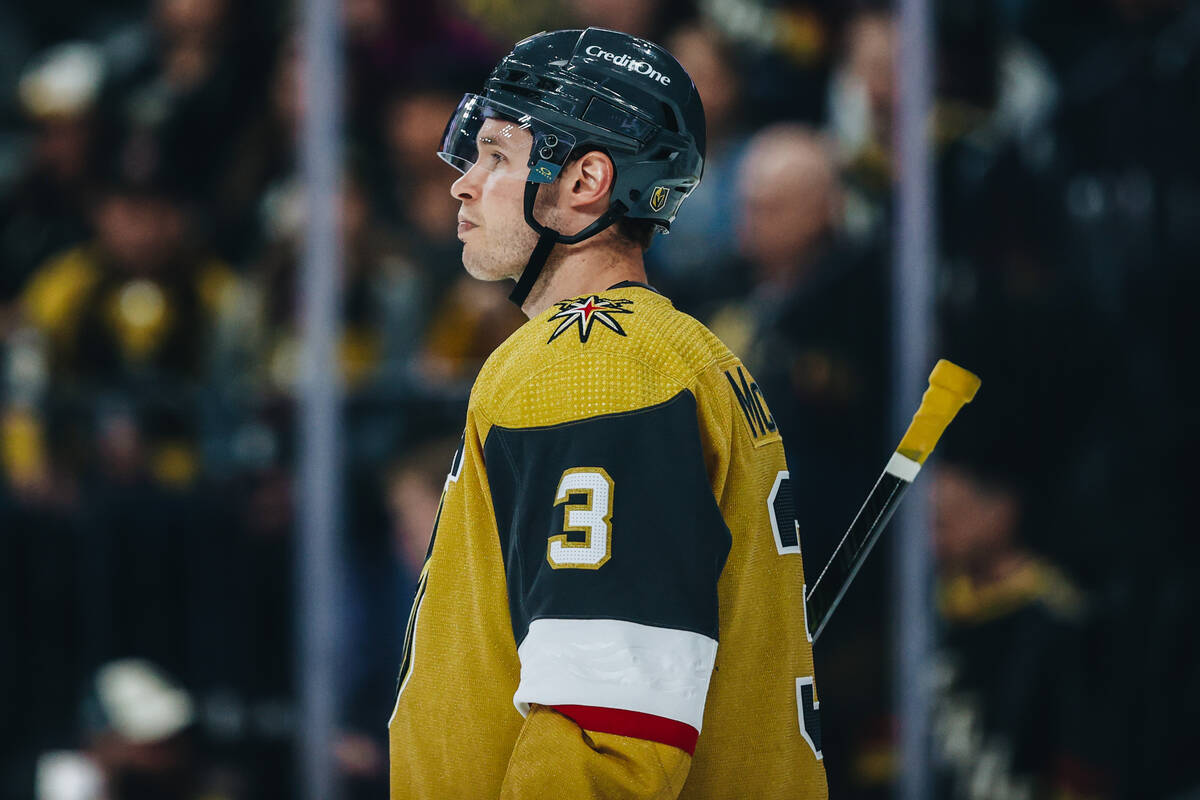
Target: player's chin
(471, 262)
(480, 266)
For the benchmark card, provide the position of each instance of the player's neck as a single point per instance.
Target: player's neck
(584, 272)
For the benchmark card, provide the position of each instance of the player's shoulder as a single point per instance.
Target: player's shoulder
(632, 321)
(620, 349)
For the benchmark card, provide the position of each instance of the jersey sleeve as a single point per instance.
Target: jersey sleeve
(613, 546)
(555, 758)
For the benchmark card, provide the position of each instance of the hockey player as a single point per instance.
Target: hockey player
(612, 603)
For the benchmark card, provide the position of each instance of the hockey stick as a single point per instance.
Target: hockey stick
(950, 387)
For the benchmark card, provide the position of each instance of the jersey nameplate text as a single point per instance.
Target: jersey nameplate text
(753, 404)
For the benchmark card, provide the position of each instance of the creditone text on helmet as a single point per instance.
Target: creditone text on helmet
(631, 64)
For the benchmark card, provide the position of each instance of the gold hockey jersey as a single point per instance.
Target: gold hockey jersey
(616, 540)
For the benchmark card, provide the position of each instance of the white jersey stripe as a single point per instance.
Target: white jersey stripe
(615, 664)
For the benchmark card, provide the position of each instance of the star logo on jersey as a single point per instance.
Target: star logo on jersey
(583, 311)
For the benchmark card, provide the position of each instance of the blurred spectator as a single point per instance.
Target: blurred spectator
(414, 497)
(471, 321)
(814, 322)
(138, 732)
(131, 315)
(262, 153)
(864, 89)
(786, 50)
(180, 85)
(45, 211)
(382, 293)
(1007, 308)
(412, 191)
(140, 743)
(138, 298)
(789, 210)
(390, 44)
(1015, 708)
(383, 581)
(861, 110)
(696, 258)
(375, 58)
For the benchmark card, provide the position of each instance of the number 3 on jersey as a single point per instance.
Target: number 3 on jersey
(592, 518)
(784, 526)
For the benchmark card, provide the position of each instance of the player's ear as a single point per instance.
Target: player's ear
(593, 178)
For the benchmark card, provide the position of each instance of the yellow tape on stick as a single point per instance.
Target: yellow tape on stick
(950, 388)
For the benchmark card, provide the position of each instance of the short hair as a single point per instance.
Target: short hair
(638, 231)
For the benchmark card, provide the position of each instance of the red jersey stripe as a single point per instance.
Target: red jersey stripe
(633, 723)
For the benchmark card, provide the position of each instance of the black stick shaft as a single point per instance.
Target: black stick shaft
(853, 550)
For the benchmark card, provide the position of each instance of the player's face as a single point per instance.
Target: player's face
(491, 222)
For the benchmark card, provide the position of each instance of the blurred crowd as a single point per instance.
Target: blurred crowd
(151, 217)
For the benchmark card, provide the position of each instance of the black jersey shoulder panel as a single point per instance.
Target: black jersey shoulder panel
(668, 539)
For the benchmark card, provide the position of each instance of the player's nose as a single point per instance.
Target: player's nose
(467, 185)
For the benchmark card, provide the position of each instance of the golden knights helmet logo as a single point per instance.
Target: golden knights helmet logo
(658, 198)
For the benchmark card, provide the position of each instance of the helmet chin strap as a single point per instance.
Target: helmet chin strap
(548, 237)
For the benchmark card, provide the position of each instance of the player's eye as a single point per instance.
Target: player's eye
(496, 158)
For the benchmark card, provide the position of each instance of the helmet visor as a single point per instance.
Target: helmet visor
(496, 129)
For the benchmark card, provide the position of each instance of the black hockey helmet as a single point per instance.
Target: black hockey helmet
(594, 89)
